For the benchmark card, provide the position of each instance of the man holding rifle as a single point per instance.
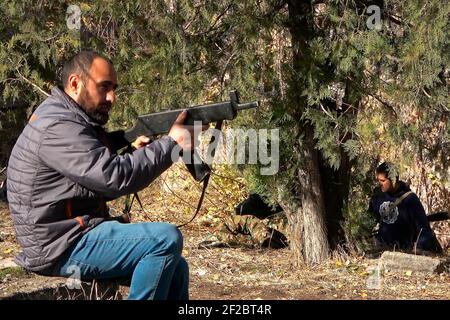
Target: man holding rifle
(63, 169)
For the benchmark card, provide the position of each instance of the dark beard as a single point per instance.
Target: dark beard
(97, 117)
(100, 118)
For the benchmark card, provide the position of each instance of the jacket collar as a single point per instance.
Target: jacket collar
(402, 188)
(70, 104)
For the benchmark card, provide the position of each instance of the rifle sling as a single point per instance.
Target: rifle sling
(206, 180)
(399, 200)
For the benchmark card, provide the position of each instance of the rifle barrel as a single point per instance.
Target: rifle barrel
(248, 105)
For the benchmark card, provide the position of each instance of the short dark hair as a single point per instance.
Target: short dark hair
(79, 63)
(389, 169)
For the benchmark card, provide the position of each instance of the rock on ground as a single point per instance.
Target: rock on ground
(409, 262)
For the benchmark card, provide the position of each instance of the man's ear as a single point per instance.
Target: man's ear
(74, 84)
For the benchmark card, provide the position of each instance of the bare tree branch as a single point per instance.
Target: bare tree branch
(33, 84)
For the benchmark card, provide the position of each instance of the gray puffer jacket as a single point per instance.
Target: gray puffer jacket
(60, 173)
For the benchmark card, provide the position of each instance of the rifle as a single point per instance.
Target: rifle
(160, 123)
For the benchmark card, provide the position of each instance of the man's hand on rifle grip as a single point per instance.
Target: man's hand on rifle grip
(184, 134)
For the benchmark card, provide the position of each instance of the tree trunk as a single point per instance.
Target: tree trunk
(336, 183)
(304, 207)
(315, 243)
(336, 187)
(321, 192)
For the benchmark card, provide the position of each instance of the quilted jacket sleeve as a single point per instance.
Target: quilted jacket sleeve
(75, 151)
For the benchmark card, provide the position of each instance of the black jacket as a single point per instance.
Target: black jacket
(411, 224)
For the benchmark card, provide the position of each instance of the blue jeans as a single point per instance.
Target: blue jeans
(148, 253)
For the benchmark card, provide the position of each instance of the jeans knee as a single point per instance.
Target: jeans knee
(174, 238)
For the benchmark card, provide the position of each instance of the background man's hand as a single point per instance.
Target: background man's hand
(140, 142)
(184, 134)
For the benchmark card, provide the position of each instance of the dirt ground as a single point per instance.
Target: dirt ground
(252, 273)
(238, 272)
